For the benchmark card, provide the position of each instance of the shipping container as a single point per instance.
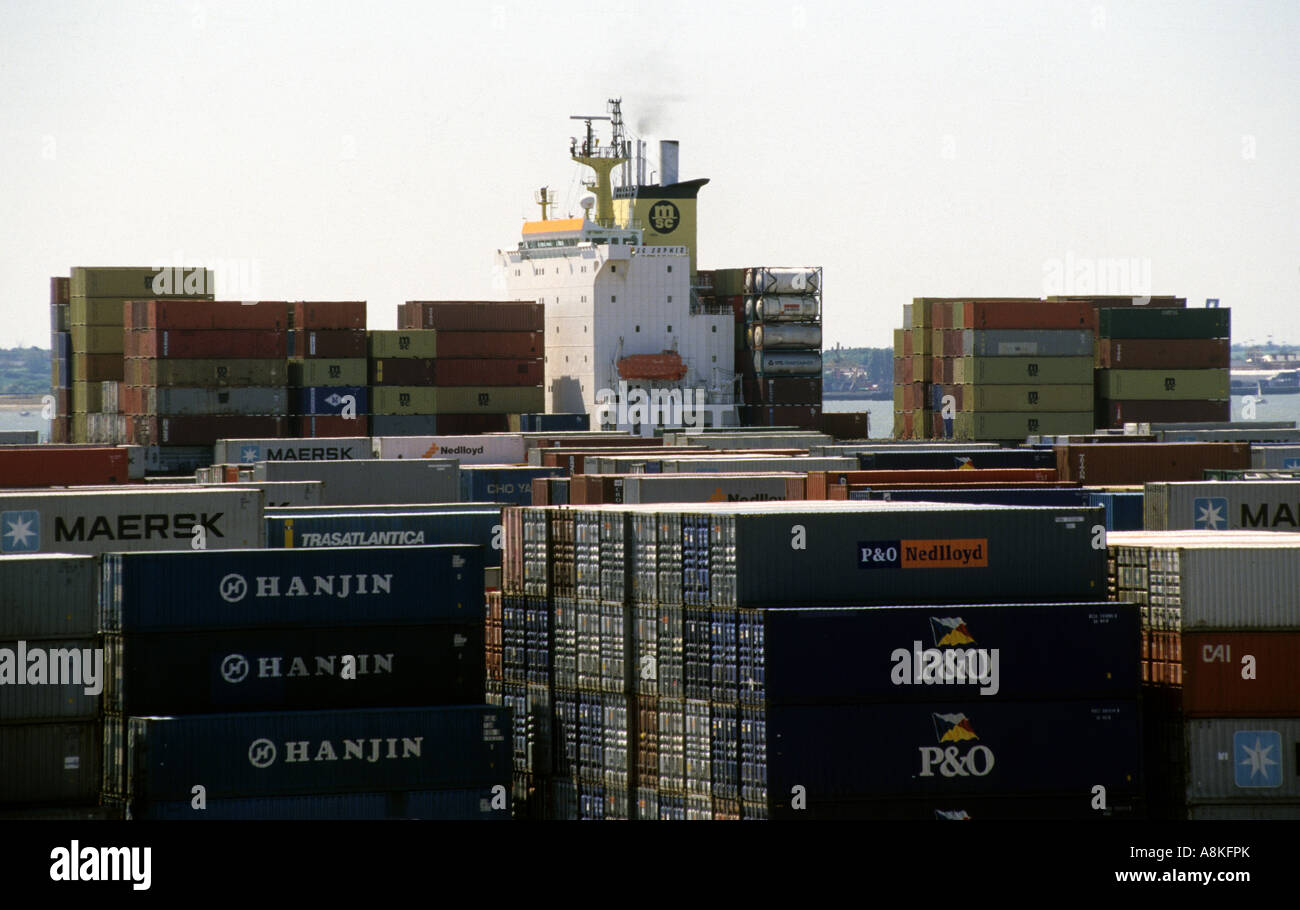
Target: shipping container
(994, 496)
(471, 315)
(488, 372)
(456, 400)
(1271, 811)
(954, 457)
(414, 343)
(1118, 413)
(191, 314)
(1163, 323)
(201, 431)
(1245, 760)
(1124, 511)
(134, 283)
(332, 400)
(502, 483)
(519, 345)
(553, 423)
(408, 371)
(327, 371)
(1005, 807)
(369, 481)
(1035, 398)
(51, 679)
(97, 339)
(46, 465)
(666, 488)
(481, 527)
(248, 451)
(470, 804)
(205, 372)
(1163, 385)
(301, 669)
(1101, 464)
(782, 336)
(283, 754)
(314, 587)
(1214, 683)
(331, 344)
(315, 314)
(819, 482)
(785, 390)
(135, 519)
(92, 368)
(1021, 314)
(205, 343)
(1025, 343)
(260, 401)
(503, 449)
(1284, 457)
(1222, 506)
(1163, 354)
(49, 764)
(392, 425)
(787, 363)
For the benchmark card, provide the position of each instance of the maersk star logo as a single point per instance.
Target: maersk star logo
(20, 531)
(250, 454)
(1210, 513)
(1258, 758)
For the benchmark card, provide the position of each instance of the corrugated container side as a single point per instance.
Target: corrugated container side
(1215, 683)
(49, 763)
(472, 804)
(48, 596)
(482, 527)
(372, 481)
(1242, 760)
(68, 687)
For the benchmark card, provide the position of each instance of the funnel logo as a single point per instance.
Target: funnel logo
(1258, 762)
(949, 662)
(947, 758)
(20, 531)
(664, 217)
(1210, 513)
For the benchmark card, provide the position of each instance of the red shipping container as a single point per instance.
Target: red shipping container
(518, 345)
(327, 343)
(1026, 314)
(1100, 464)
(1117, 413)
(60, 290)
(1212, 674)
(131, 400)
(469, 424)
(820, 481)
(414, 371)
(487, 372)
(323, 427)
(201, 431)
(206, 344)
(49, 465)
(786, 390)
(328, 314)
(1163, 353)
(845, 424)
(188, 313)
(472, 315)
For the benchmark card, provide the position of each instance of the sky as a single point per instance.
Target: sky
(385, 151)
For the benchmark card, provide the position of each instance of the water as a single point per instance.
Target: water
(10, 420)
(1275, 407)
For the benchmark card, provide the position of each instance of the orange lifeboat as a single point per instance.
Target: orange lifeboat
(667, 366)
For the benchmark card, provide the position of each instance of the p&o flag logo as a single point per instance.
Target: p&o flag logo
(1257, 758)
(1210, 513)
(20, 531)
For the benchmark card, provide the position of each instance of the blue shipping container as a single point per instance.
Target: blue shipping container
(327, 587)
(553, 423)
(922, 653)
(384, 529)
(318, 752)
(502, 483)
(1123, 510)
(324, 401)
(475, 803)
(403, 425)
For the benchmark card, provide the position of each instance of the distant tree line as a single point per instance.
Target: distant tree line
(24, 371)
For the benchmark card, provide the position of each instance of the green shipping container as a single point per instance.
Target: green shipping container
(457, 400)
(898, 396)
(1126, 322)
(1041, 398)
(96, 311)
(139, 283)
(992, 425)
(321, 372)
(384, 344)
(97, 339)
(203, 373)
(87, 397)
(1163, 385)
(1011, 370)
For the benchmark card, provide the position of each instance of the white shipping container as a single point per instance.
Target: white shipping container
(141, 518)
(135, 461)
(1282, 457)
(655, 488)
(499, 449)
(248, 451)
(373, 481)
(1264, 505)
(1243, 759)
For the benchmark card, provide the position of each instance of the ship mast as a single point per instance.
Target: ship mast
(602, 160)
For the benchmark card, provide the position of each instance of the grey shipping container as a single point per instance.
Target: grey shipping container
(50, 763)
(318, 752)
(133, 519)
(1223, 506)
(373, 480)
(420, 508)
(60, 679)
(787, 553)
(248, 451)
(20, 437)
(726, 464)
(1024, 342)
(1280, 456)
(1213, 812)
(475, 803)
(652, 488)
(285, 588)
(258, 400)
(287, 493)
(50, 595)
(1246, 760)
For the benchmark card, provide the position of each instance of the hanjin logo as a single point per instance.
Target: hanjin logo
(234, 669)
(261, 754)
(233, 588)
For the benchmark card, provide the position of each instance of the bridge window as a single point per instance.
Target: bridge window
(670, 298)
(613, 298)
(670, 328)
(670, 268)
(638, 328)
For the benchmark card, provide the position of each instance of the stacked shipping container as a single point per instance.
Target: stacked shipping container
(60, 360)
(781, 363)
(327, 369)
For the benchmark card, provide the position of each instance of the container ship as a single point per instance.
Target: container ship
(595, 552)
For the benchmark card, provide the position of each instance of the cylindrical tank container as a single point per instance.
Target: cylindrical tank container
(784, 308)
(786, 281)
(791, 363)
(771, 337)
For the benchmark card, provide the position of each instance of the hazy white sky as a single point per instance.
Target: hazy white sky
(384, 151)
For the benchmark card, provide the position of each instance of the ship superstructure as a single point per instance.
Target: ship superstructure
(629, 340)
